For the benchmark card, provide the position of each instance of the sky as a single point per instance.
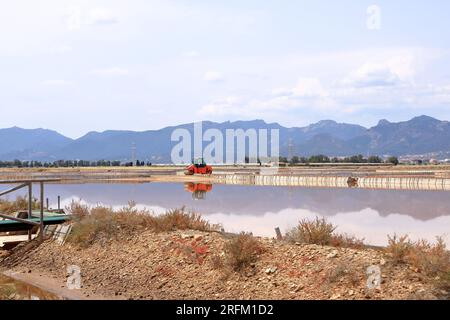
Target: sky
(91, 65)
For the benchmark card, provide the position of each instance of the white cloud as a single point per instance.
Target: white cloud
(114, 71)
(391, 72)
(372, 86)
(372, 75)
(307, 93)
(213, 76)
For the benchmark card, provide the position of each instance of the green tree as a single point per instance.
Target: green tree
(374, 159)
(319, 159)
(393, 160)
(295, 160)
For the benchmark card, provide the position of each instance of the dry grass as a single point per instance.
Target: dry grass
(241, 252)
(321, 232)
(398, 248)
(432, 260)
(217, 262)
(100, 223)
(344, 272)
(179, 219)
(337, 273)
(21, 203)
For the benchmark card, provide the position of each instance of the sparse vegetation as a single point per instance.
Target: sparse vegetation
(321, 232)
(344, 271)
(432, 260)
(241, 252)
(398, 248)
(100, 222)
(179, 219)
(21, 203)
(337, 273)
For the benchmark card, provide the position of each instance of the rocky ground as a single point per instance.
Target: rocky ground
(181, 265)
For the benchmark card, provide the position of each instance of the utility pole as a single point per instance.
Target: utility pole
(133, 154)
(291, 149)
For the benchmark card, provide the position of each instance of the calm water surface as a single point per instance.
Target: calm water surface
(9, 286)
(371, 214)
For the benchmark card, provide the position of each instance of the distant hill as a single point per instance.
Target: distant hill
(18, 143)
(417, 136)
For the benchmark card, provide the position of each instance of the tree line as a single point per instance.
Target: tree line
(115, 163)
(70, 164)
(325, 159)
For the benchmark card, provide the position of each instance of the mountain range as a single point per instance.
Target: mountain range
(419, 135)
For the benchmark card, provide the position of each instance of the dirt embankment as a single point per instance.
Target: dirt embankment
(183, 265)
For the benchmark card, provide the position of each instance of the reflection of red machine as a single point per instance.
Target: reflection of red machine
(198, 190)
(198, 167)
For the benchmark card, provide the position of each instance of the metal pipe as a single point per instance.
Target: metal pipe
(41, 235)
(19, 219)
(59, 203)
(30, 206)
(13, 189)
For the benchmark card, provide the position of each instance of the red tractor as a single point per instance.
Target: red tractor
(198, 167)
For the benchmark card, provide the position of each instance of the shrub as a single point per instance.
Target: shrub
(100, 222)
(344, 271)
(321, 232)
(20, 204)
(337, 273)
(318, 231)
(92, 224)
(398, 248)
(242, 251)
(78, 210)
(432, 260)
(179, 219)
(346, 241)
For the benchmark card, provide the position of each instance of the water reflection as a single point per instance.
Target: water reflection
(198, 190)
(365, 213)
(11, 289)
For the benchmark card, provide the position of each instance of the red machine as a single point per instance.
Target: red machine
(198, 167)
(198, 190)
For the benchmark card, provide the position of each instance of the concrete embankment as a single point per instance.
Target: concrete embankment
(367, 177)
(401, 183)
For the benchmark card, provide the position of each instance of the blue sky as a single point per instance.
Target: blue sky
(78, 66)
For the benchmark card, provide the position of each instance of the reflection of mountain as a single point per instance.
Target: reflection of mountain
(248, 200)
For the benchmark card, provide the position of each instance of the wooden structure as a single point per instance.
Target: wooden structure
(14, 223)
